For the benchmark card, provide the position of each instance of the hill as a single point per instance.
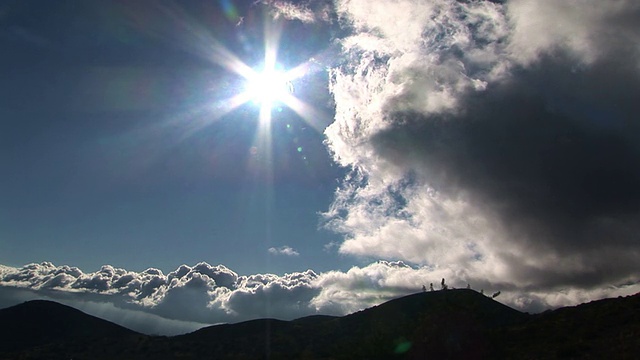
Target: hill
(46, 327)
(453, 324)
(445, 323)
(608, 328)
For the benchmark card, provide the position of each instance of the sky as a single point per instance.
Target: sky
(490, 143)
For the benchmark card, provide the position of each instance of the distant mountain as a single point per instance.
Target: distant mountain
(451, 324)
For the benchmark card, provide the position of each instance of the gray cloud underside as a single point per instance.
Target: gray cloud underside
(556, 182)
(496, 140)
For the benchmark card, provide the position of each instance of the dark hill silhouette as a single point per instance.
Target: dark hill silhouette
(44, 326)
(608, 328)
(450, 324)
(394, 328)
(441, 323)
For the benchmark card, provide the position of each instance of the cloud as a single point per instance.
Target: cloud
(589, 30)
(283, 250)
(267, 295)
(495, 140)
(199, 294)
(304, 11)
(190, 297)
(167, 304)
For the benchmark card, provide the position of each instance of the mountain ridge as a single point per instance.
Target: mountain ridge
(441, 324)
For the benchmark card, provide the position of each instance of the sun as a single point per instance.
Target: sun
(268, 87)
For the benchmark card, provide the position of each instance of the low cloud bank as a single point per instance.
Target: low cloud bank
(195, 296)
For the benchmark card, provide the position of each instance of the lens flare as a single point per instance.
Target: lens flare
(268, 86)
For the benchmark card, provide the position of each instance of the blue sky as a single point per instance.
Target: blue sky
(491, 143)
(98, 157)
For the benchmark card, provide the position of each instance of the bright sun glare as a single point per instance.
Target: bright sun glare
(268, 87)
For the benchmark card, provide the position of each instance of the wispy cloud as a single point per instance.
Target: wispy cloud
(304, 11)
(283, 250)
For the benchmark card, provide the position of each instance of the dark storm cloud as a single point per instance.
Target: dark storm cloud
(553, 152)
(494, 139)
(525, 148)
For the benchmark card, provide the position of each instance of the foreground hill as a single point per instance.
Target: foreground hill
(45, 327)
(453, 324)
(413, 325)
(608, 328)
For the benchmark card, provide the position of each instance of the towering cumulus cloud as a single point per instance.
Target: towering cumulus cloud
(496, 140)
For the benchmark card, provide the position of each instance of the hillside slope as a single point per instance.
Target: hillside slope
(40, 326)
(447, 323)
(608, 328)
(453, 324)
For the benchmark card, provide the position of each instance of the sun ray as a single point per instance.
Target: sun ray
(267, 85)
(315, 118)
(201, 117)
(187, 33)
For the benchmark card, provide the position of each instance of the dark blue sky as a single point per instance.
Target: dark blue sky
(99, 162)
